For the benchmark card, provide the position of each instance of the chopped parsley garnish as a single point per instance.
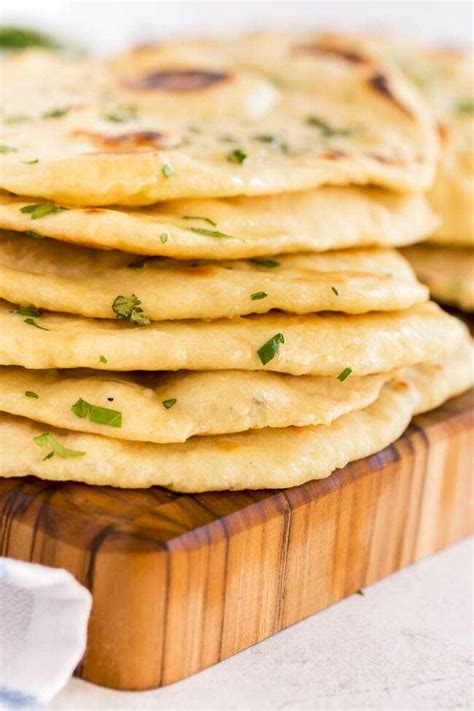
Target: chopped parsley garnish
(121, 114)
(465, 107)
(236, 156)
(128, 307)
(326, 128)
(138, 264)
(164, 237)
(28, 311)
(12, 38)
(167, 170)
(30, 162)
(210, 233)
(30, 393)
(32, 322)
(41, 210)
(259, 295)
(333, 288)
(204, 219)
(49, 441)
(272, 140)
(15, 119)
(270, 349)
(56, 113)
(103, 359)
(99, 415)
(267, 263)
(345, 374)
(168, 404)
(7, 149)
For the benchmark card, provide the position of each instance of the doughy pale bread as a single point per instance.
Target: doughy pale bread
(155, 134)
(268, 458)
(315, 344)
(51, 275)
(448, 273)
(206, 403)
(328, 218)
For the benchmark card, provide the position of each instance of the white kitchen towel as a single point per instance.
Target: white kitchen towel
(43, 631)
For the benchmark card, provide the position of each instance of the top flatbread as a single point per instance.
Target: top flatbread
(151, 133)
(316, 221)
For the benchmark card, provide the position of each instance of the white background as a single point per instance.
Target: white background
(106, 26)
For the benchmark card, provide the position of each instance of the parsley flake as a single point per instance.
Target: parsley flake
(7, 149)
(164, 237)
(267, 263)
(48, 440)
(210, 233)
(103, 359)
(167, 170)
(128, 307)
(259, 295)
(30, 162)
(327, 130)
(99, 415)
(270, 349)
(121, 114)
(168, 404)
(345, 374)
(28, 311)
(465, 107)
(236, 156)
(32, 322)
(30, 393)
(41, 210)
(56, 113)
(333, 288)
(138, 264)
(31, 233)
(204, 219)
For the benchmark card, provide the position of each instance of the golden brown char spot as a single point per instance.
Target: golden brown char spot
(129, 141)
(334, 155)
(379, 82)
(200, 271)
(401, 385)
(328, 48)
(227, 445)
(443, 132)
(176, 80)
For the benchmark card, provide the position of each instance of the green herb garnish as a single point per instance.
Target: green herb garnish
(270, 349)
(465, 107)
(56, 113)
(328, 130)
(99, 415)
(32, 322)
(121, 114)
(22, 37)
(47, 440)
(204, 219)
(167, 170)
(267, 263)
(164, 237)
(272, 140)
(103, 359)
(31, 233)
(41, 210)
(128, 307)
(210, 233)
(168, 404)
(30, 393)
(7, 149)
(30, 162)
(333, 288)
(258, 295)
(236, 156)
(345, 374)
(28, 311)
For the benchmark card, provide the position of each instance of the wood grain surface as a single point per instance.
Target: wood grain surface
(180, 582)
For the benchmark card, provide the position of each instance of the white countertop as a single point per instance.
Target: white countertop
(405, 644)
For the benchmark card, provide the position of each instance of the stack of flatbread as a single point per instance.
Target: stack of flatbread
(197, 266)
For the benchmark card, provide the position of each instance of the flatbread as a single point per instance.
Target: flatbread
(207, 403)
(328, 218)
(268, 458)
(315, 344)
(50, 275)
(157, 135)
(448, 273)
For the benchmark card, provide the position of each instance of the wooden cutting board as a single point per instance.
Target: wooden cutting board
(180, 582)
